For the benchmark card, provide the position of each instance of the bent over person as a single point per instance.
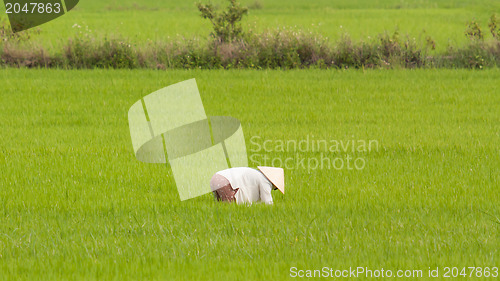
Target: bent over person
(247, 185)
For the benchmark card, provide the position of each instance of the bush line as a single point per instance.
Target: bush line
(276, 49)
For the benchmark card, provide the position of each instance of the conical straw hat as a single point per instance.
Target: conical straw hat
(275, 175)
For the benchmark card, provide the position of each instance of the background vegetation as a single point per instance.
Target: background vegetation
(327, 40)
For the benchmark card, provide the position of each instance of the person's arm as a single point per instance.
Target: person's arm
(265, 193)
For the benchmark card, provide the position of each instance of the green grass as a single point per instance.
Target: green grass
(76, 204)
(151, 21)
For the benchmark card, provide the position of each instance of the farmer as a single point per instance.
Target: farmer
(247, 185)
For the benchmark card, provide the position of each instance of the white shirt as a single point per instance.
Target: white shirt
(253, 185)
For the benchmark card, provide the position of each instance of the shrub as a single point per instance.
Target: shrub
(493, 25)
(226, 24)
(473, 31)
(110, 53)
(14, 55)
(6, 34)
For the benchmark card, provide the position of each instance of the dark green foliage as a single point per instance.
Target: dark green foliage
(473, 31)
(494, 28)
(226, 24)
(86, 53)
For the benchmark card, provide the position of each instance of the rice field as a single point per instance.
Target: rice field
(77, 205)
(424, 194)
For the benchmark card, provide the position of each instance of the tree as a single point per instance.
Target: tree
(226, 24)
